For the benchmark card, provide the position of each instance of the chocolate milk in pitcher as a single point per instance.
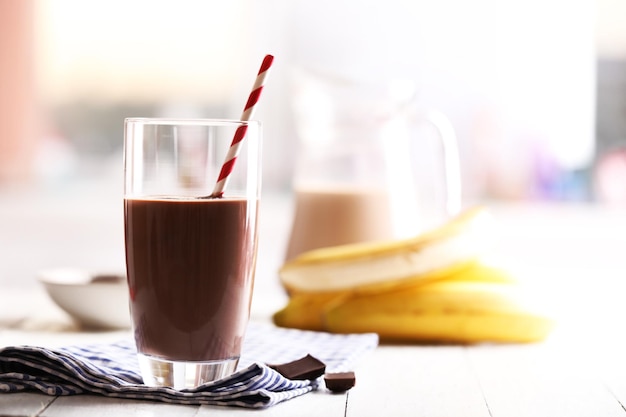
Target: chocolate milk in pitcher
(337, 216)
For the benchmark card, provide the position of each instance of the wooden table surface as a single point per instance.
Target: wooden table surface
(573, 255)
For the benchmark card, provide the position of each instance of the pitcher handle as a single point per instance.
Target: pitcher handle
(451, 164)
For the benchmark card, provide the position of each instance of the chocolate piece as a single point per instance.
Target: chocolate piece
(340, 381)
(307, 367)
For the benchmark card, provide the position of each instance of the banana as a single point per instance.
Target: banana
(442, 311)
(452, 246)
(306, 310)
(436, 287)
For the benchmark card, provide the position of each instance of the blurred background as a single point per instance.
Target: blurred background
(535, 90)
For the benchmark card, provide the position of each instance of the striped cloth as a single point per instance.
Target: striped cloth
(112, 369)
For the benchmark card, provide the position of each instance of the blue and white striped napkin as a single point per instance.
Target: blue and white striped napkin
(112, 369)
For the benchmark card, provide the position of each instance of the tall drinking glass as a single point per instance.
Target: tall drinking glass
(190, 258)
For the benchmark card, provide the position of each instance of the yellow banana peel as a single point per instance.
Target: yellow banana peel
(436, 287)
(443, 311)
(477, 303)
(305, 311)
(460, 241)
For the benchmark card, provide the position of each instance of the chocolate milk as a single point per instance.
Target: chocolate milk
(190, 265)
(329, 217)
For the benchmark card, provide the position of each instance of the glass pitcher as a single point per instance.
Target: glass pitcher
(367, 168)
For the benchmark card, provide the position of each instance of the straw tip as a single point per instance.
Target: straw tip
(267, 63)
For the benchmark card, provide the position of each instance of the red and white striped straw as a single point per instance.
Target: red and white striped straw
(240, 133)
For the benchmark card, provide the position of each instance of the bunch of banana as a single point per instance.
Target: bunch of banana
(436, 287)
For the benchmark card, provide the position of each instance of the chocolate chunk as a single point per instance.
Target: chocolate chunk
(340, 381)
(307, 367)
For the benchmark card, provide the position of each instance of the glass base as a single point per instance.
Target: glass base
(157, 372)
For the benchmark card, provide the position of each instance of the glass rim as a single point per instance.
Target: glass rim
(172, 121)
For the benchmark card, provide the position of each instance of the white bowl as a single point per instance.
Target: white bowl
(94, 300)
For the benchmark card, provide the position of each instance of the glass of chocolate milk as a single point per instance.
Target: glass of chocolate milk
(190, 254)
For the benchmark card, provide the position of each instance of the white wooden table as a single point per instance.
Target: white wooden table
(577, 256)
